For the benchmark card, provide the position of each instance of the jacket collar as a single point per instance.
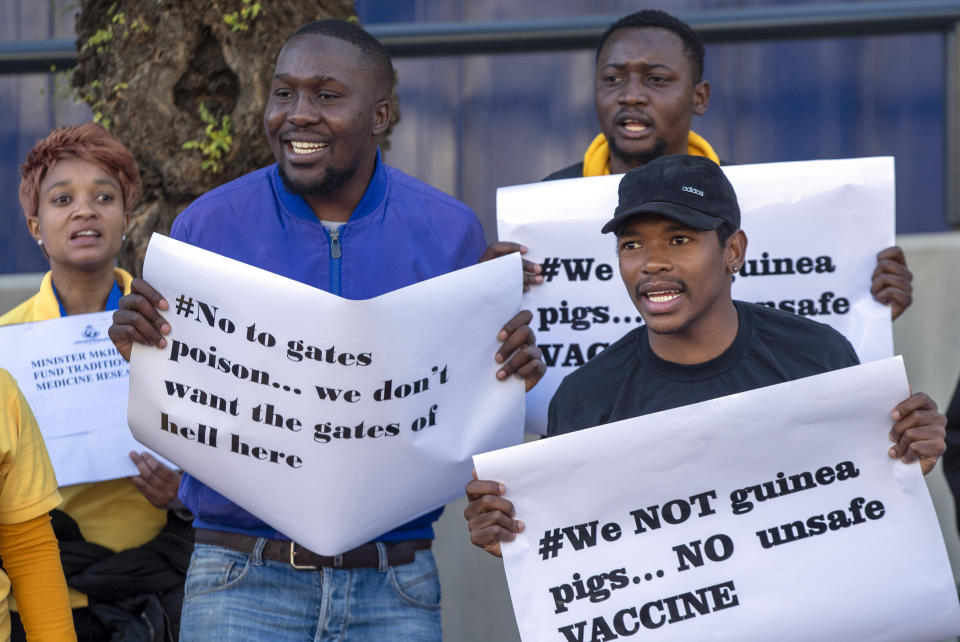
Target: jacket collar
(372, 198)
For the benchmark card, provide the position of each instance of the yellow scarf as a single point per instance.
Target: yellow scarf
(596, 162)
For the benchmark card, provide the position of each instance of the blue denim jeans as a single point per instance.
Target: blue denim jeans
(236, 596)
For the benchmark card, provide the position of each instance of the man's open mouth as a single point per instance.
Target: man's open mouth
(663, 296)
(634, 126)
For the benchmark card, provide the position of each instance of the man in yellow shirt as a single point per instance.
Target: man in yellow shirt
(648, 86)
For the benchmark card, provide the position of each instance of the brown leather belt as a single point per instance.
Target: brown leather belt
(298, 557)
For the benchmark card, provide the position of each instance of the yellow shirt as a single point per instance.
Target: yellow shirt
(28, 487)
(110, 513)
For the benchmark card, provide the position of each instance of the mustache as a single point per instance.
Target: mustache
(307, 132)
(636, 114)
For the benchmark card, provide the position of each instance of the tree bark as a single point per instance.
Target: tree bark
(145, 67)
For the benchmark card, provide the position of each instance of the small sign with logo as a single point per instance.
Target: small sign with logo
(76, 384)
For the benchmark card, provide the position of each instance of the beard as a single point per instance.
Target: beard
(639, 158)
(330, 181)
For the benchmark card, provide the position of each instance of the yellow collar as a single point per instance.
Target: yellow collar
(596, 162)
(45, 305)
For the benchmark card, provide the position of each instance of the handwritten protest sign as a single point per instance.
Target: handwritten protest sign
(814, 230)
(770, 514)
(76, 385)
(331, 420)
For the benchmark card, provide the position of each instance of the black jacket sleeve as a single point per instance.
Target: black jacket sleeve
(951, 458)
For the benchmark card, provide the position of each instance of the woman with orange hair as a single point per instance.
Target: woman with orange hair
(78, 187)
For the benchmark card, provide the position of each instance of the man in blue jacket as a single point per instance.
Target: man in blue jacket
(330, 214)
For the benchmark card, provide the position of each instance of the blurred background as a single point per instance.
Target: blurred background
(472, 123)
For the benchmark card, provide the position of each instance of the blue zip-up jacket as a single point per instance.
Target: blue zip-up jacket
(402, 232)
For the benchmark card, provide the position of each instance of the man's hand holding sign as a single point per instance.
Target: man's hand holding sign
(918, 435)
(531, 270)
(679, 246)
(891, 281)
(282, 401)
(788, 524)
(249, 398)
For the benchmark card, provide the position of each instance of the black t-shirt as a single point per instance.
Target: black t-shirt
(628, 380)
(573, 171)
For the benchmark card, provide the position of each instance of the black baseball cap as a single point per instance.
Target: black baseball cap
(692, 190)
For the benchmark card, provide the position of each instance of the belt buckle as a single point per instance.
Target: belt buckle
(293, 563)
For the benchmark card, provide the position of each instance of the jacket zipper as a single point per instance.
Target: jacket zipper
(335, 255)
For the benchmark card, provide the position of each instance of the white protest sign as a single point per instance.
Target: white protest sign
(770, 514)
(814, 229)
(331, 420)
(76, 385)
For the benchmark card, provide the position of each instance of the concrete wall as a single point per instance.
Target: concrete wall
(15, 288)
(476, 600)
(928, 337)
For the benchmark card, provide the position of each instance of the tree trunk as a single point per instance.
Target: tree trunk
(149, 69)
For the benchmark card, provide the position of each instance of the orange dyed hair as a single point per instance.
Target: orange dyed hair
(89, 142)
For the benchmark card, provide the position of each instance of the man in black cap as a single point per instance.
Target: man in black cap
(679, 244)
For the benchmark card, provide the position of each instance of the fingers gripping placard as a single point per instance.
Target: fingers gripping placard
(278, 395)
